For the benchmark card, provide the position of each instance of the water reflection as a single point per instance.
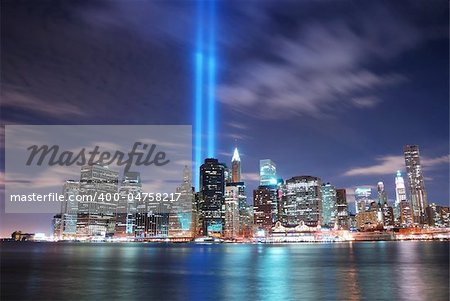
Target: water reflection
(347, 271)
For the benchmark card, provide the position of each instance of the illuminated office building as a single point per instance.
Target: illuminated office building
(245, 220)
(329, 207)
(342, 209)
(437, 216)
(406, 216)
(267, 172)
(154, 223)
(415, 182)
(69, 209)
(362, 199)
(181, 212)
(400, 193)
(96, 215)
(57, 226)
(367, 220)
(382, 197)
(212, 201)
(387, 215)
(302, 201)
(129, 192)
(231, 212)
(236, 167)
(263, 199)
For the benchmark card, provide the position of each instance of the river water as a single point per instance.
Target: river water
(397, 270)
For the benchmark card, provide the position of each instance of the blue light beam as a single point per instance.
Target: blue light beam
(199, 58)
(211, 79)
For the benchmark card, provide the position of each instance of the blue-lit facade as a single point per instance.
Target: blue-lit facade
(267, 172)
(329, 208)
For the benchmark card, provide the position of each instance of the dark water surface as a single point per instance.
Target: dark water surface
(137, 271)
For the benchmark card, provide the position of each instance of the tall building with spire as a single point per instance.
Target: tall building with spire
(416, 182)
(400, 193)
(235, 167)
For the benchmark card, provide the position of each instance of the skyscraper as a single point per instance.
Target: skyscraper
(245, 221)
(302, 201)
(263, 199)
(400, 193)
(69, 209)
(212, 201)
(231, 212)
(342, 209)
(129, 192)
(267, 172)
(96, 215)
(388, 215)
(362, 198)
(328, 192)
(181, 211)
(236, 167)
(415, 182)
(382, 197)
(406, 217)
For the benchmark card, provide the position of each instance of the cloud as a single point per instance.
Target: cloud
(238, 125)
(389, 164)
(252, 176)
(366, 102)
(21, 100)
(429, 162)
(321, 66)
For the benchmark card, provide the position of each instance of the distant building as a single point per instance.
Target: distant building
(388, 215)
(263, 199)
(437, 216)
(96, 215)
(56, 226)
(19, 236)
(382, 197)
(181, 220)
(406, 217)
(400, 193)
(155, 222)
(366, 220)
(231, 212)
(212, 197)
(302, 201)
(235, 167)
(329, 206)
(362, 198)
(267, 172)
(130, 195)
(245, 219)
(416, 183)
(342, 209)
(69, 209)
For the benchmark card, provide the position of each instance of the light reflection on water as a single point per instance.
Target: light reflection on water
(353, 271)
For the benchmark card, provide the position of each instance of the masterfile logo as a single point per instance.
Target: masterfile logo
(40, 159)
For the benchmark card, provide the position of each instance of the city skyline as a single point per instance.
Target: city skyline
(298, 83)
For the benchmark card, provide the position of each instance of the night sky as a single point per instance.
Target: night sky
(333, 89)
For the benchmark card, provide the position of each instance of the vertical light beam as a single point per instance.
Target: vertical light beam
(205, 84)
(211, 78)
(199, 58)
